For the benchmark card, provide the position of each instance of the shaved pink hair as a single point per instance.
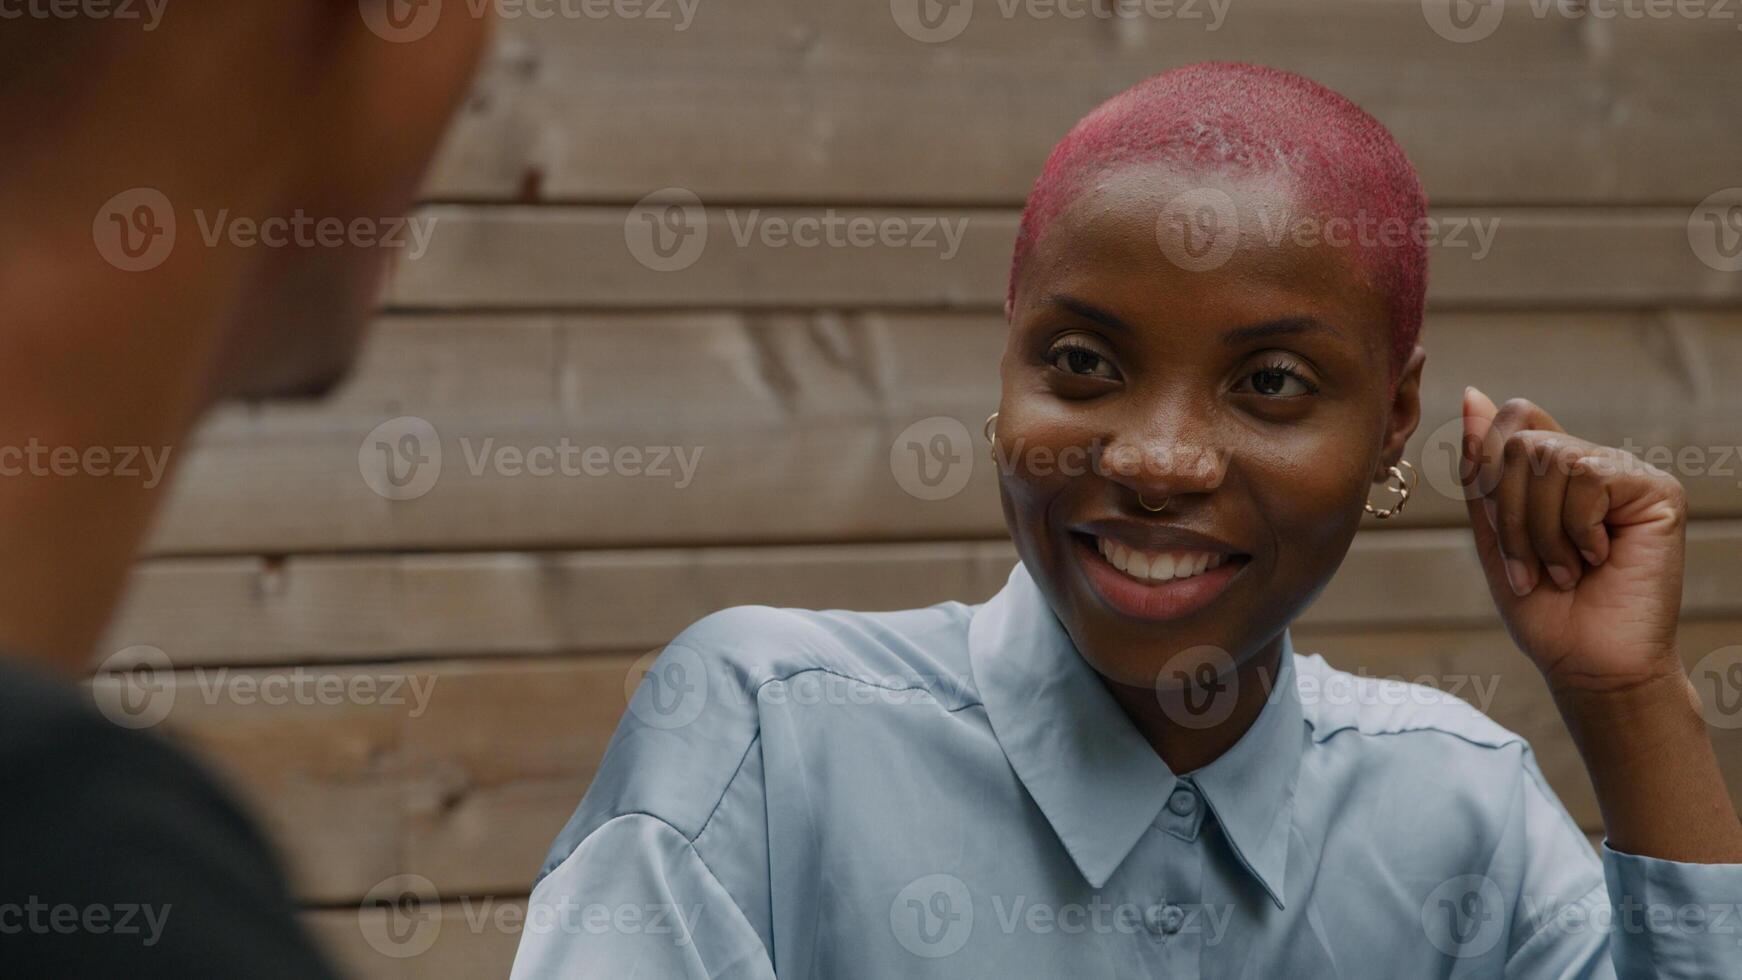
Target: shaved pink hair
(1221, 116)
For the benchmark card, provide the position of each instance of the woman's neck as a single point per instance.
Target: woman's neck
(1180, 727)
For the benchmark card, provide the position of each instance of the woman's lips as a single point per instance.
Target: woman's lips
(1141, 596)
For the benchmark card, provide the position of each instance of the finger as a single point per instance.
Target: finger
(1551, 456)
(1510, 499)
(1516, 415)
(1587, 504)
(1478, 417)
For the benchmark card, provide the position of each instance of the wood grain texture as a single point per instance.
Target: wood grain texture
(780, 413)
(240, 612)
(748, 256)
(827, 100)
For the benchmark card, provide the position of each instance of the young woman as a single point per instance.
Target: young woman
(1118, 766)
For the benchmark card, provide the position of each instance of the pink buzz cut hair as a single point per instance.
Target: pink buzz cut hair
(1220, 116)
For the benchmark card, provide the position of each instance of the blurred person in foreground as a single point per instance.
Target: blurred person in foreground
(119, 856)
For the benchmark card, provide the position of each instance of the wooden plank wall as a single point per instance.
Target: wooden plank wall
(518, 604)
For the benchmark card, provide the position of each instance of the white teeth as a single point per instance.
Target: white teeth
(1160, 566)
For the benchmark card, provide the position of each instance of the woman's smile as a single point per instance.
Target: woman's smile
(1152, 571)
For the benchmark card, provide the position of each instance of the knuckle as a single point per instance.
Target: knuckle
(1517, 406)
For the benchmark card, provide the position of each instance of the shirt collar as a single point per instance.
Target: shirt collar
(1093, 775)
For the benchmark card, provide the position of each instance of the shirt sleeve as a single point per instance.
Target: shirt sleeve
(1621, 916)
(635, 899)
(1673, 920)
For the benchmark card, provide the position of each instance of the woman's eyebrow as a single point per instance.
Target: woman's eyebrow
(1089, 311)
(1271, 328)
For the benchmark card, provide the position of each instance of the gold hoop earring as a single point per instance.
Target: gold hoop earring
(1153, 510)
(1404, 486)
(991, 431)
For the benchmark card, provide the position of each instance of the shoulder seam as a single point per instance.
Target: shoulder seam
(1513, 738)
(755, 739)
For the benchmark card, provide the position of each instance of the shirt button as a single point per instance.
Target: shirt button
(1183, 801)
(1165, 920)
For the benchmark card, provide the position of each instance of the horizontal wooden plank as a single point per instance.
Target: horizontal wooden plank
(829, 100)
(237, 611)
(546, 258)
(800, 428)
(467, 783)
(465, 939)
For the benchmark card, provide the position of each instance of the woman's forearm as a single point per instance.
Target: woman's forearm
(1650, 758)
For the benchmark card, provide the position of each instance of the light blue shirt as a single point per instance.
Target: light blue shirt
(951, 792)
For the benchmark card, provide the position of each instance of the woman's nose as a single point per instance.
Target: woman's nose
(1165, 462)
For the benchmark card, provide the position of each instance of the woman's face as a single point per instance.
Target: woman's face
(1251, 394)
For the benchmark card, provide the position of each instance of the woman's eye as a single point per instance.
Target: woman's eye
(1081, 361)
(1277, 381)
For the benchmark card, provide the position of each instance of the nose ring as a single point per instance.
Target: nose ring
(1153, 510)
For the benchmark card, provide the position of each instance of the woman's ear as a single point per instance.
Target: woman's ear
(1009, 306)
(1403, 415)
